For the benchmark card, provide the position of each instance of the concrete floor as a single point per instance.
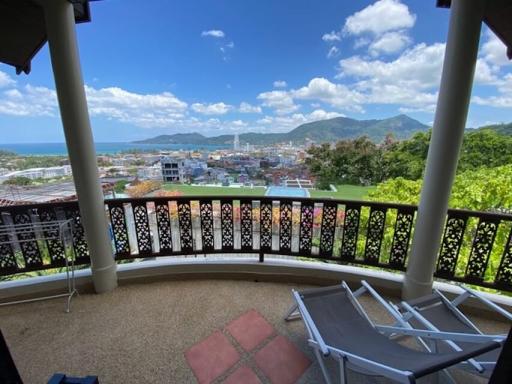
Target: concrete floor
(139, 332)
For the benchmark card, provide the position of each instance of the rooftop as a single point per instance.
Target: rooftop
(145, 333)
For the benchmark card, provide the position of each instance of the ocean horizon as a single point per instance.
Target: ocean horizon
(60, 149)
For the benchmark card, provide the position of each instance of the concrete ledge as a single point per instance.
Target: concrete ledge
(273, 269)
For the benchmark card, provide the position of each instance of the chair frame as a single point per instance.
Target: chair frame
(321, 349)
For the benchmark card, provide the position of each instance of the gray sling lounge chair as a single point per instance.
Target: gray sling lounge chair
(435, 312)
(339, 327)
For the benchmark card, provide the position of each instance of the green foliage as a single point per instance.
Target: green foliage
(360, 161)
(38, 162)
(120, 186)
(18, 180)
(356, 161)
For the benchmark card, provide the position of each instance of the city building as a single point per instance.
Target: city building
(150, 173)
(39, 173)
(172, 169)
(236, 143)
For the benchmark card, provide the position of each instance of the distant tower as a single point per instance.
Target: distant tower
(247, 148)
(236, 142)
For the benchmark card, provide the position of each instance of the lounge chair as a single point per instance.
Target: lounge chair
(436, 312)
(340, 328)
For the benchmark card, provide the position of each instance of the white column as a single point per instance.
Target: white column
(60, 25)
(447, 134)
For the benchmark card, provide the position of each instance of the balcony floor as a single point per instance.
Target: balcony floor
(140, 332)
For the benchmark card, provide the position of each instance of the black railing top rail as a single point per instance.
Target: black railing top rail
(371, 204)
(63, 204)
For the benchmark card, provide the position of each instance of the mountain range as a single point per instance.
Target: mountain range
(338, 128)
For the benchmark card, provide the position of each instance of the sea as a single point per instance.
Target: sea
(47, 149)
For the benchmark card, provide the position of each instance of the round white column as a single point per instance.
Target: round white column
(60, 26)
(447, 135)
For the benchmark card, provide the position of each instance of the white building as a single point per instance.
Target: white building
(236, 143)
(150, 173)
(39, 173)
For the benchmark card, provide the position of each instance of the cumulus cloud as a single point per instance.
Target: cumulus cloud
(280, 84)
(380, 17)
(248, 108)
(29, 101)
(336, 95)
(285, 123)
(217, 33)
(331, 37)
(493, 50)
(211, 109)
(5, 80)
(333, 52)
(280, 101)
(389, 42)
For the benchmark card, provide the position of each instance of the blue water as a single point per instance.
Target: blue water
(101, 148)
(287, 192)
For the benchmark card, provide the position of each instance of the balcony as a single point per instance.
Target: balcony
(257, 249)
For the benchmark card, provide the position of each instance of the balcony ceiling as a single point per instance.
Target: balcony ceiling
(23, 32)
(498, 18)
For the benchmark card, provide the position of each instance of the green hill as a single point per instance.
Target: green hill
(338, 128)
(502, 129)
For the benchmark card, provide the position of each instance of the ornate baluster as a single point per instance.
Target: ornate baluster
(163, 224)
(327, 229)
(206, 213)
(482, 247)
(450, 245)
(119, 229)
(142, 230)
(374, 233)
(306, 228)
(266, 225)
(27, 239)
(246, 224)
(53, 242)
(401, 238)
(350, 232)
(8, 263)
(504, 275)
(226, 218)
(79, 243)
(185, 221)
(285, 226)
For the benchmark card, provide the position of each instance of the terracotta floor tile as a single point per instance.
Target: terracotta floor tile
(250, 329)
(211, 357)
(281, 361)
(243, 375)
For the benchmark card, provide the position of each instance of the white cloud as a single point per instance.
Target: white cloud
(217, 33)
(389, 42)
(361, 42)
(211, 109)
(336, 95)
(333, 52)
(5, 80)
(280, 101)
(29, 101)
(248, 108)
(331, 36)
(493, 50)
(380, 17)
(503, 99)
(280, 84)
(285, 123)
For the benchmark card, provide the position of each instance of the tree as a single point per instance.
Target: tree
(18, 180)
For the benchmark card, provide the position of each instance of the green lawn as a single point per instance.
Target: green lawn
(349, 192)
(189, 190)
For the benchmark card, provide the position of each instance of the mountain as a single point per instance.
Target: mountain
(322, 131)
(502, 129)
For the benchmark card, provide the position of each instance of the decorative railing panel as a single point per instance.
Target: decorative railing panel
(35, 246)
(476, 247)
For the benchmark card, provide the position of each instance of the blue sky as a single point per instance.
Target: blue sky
(156, 67)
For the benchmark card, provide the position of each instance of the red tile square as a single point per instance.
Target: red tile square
(250, 329)
(211, 357)
(281, 361)
(244, 375)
